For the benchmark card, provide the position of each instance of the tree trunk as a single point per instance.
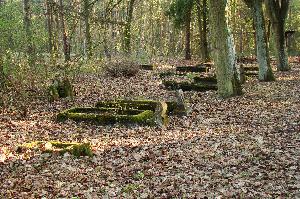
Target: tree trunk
(49, 14)
(277, 11)
(188, 36)
(66, 43)
(2, 75)
(127, 31)
(223, 50)
(202, 21)
(279, 36)
(29, 35)
(205, 29)
(200, 25)
(265, 70)
(86, 15)
(56, 32)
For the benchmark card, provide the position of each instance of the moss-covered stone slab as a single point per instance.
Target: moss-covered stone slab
(250, 68)
(140, 112)
(129, 104)
(205, 80)
(147, 67)
(172, 106)
(194, 69)
(248, 71)
(247, 60)
(169, 74)
(108, 116)
(179, 74)
(76, 149)
(187, 86)
(160, 109)
(251, 73)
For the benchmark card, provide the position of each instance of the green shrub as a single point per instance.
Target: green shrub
(121, 68)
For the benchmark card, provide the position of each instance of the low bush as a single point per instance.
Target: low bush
(121, 68)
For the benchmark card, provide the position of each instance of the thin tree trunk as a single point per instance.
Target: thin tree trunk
(255, 35)
(28, 31)
(205, 30)
(127, 31)
(49, 14)
(66, 43)
(2, 75)
(86, 14)
(265, 70)
(202, 22)
(241, 42)
(188, 36)
(223, 50)
(200, 25)
(56, 31)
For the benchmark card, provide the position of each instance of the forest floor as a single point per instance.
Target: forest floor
(241, 147)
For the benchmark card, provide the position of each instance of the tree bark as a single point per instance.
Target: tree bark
(188, 55)
(223, 50)
(265, 70)
(279, 36)
(66, 42)
(2, 75)
(49, 14)
(202, 21)
(277, 11)
(28, 31)
(205, 30)
(127, 30)
(86, 15)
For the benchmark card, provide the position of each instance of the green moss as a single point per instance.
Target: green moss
(105, 116)
(80, 150)
(146, 117)
(76, 149)
(139, 175)
(130, 188)
(31, 145)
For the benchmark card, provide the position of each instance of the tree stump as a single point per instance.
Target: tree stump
(60, 88)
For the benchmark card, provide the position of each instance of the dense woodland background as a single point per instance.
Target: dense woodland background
(104, 29)
(238, 136)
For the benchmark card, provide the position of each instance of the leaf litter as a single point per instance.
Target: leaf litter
(242, 147)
